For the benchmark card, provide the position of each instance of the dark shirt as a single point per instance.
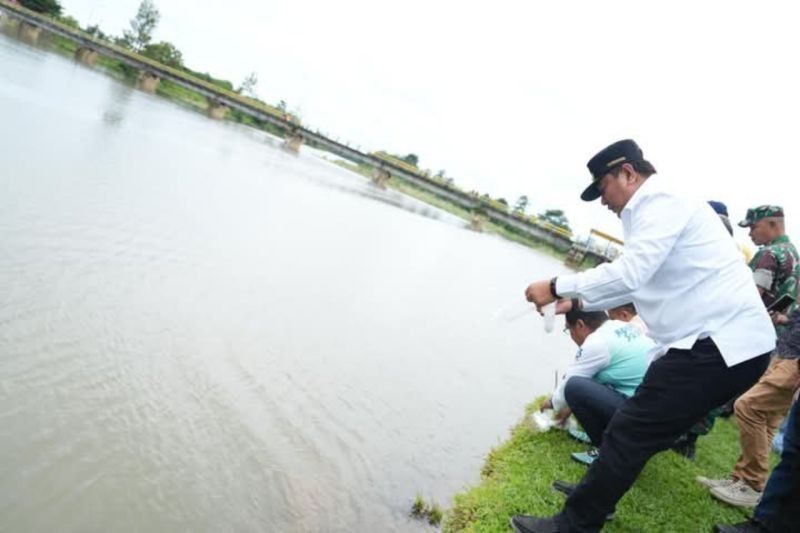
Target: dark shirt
(789, 340)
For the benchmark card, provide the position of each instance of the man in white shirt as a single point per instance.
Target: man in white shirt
(687, 280)
(610, 364)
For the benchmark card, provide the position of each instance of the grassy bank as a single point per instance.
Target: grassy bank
(405, 187)
(195, 101)
(166, 89)
(516, 479)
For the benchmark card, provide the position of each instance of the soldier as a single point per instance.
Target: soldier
(760, 410)
(776, 265)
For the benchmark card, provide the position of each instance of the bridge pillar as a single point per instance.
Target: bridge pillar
(380, 177)
(148, 82)
(217, 109)
(28, 32)
(477, 222)
(86, 55)
(293, 142)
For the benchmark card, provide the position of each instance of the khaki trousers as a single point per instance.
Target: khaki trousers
(759, 412)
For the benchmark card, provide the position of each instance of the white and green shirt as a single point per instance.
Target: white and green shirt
(615, 354)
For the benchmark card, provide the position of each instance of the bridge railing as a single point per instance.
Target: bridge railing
(264, 111)
(81, 35)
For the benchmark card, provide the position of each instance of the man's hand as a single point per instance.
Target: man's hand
(563, 306)
(561, 416)
(547, 404)
(538, 292)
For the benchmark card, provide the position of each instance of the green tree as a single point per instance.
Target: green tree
(281, 106)
(411, 159)
(248, 86)
(95, 31)
(556, 217)
(142, 26)
(225, 84)
(165, 53)
(521, 205)
(48, 7)
(70, 21)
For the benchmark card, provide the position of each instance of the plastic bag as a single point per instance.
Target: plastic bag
(541, 421)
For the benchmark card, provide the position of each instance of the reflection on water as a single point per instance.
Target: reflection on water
(119, 97)
(367, 189)
(202, 332)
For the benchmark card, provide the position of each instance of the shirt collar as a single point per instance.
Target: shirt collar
(638, 195)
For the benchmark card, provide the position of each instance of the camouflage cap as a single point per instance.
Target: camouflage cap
(754, 214)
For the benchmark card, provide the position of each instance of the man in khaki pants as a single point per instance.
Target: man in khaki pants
(777, 510)
(760, 410)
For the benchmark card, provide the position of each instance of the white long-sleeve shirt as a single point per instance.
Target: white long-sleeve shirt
(685, 275)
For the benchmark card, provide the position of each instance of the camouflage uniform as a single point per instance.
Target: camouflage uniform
(781, 259)
(776, 266)
(760, 410)
(778, 262)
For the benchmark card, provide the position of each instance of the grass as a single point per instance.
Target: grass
(166, 89)
(426, 511)
(516, 479)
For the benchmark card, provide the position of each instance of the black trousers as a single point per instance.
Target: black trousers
(678, 389)
(593, 404)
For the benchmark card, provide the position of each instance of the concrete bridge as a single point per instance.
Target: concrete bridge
(221, 100)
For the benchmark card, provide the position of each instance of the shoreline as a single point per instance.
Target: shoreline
(398, 184)
(198, 103)
(517, 474)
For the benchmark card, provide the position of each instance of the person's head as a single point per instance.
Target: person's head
(722, 210)
(624, 312)
(765, 222)
(581, 324)
(618, 171)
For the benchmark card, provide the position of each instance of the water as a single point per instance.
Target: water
(201, 332)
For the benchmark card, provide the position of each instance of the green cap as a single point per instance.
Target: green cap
(754, 214)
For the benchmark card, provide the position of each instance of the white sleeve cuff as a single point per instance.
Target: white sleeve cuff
(567, 286)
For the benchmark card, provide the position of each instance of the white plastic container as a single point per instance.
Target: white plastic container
(549, 312)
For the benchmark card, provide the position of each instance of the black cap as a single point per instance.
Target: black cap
(625, 151)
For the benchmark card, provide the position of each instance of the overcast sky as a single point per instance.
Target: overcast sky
(512, 98)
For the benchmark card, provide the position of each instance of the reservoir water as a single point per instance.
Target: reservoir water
(202, 332)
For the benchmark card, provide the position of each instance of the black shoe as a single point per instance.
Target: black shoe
(685, 448)
(727, 410)
(751, 526)
(563, 486)
(531, 524)
(567, 488)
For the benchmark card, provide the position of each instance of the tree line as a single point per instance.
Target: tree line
(138, 37)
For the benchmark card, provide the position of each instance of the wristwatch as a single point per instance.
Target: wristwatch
(553, 292)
